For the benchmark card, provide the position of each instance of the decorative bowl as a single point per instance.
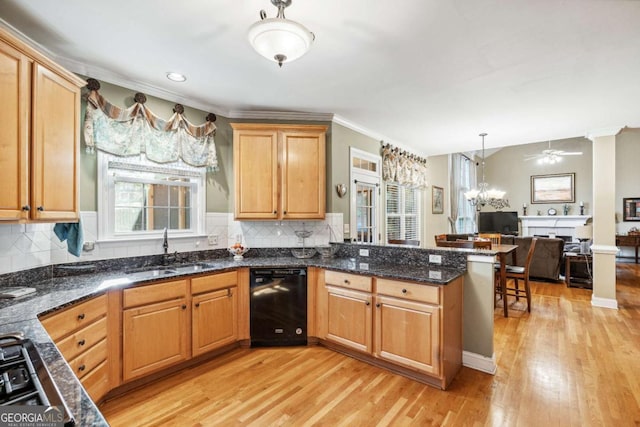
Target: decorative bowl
(327, 251)
(238, 252)
(303, 252)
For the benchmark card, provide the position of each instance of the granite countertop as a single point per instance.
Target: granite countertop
(52, 294)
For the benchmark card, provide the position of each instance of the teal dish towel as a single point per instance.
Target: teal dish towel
(72, 233)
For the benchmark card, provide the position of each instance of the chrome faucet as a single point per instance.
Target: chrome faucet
(165, 242)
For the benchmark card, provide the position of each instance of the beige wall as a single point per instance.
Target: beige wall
(627, 182)
(507, 170)
(338, 164)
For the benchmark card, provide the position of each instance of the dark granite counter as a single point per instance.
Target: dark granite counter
(60, 286)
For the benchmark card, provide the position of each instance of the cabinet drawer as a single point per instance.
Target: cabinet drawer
(346, 280)
(96, 382)
(213, 282)
(83, 339)
(408, 290)
(80, 315)
(154, 293)
(87, 361)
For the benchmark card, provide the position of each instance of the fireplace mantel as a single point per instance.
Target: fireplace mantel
(544, 225)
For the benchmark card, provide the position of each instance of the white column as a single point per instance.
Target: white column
(604, 225)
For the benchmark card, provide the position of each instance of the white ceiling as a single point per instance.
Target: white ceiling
(428, 75)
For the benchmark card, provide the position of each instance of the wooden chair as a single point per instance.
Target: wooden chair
(465, 244)
(494, 237)
(516, 273)
(440, 237)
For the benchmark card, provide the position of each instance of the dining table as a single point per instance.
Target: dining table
(501, 253)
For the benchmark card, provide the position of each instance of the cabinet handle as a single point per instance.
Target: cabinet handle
(40, 208)
(26, 208)
(81, 368)
(81, 316)
(404, 291)
(378, 305)
(229, 293)
(184, 306)
(81, 343)
(197, 304)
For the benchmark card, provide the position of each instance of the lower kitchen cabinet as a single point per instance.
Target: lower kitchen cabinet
(349, 318)
(413, 326)
(155, 333)
(408, 333)
(215, 311)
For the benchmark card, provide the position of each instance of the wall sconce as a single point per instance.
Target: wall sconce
(341, 189)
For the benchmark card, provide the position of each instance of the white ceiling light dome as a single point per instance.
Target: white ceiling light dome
(279, 39)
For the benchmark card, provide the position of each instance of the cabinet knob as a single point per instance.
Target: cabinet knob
(26, 208)
(184, 306)
(404, 291)
(285, 212)
(81, 316)
(346, 281)
(367, 303)
(81, 343)
(81, 368)
(275, 212)
(378, 305)
(40, 208)
(229, 293)
(197, 304)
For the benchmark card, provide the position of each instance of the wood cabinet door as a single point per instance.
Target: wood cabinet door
(55, 147)
(303, 174)
(215, 320)
(349, 318)
(255, 164)
(408, 333)
(154, 336)
(15, 89)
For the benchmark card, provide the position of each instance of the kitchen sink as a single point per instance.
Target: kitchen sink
(151, 272)
(190, 268)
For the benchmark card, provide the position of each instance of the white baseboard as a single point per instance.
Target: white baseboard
(603, 302)
(479, 362)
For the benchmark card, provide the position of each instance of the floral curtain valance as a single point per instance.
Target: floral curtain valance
(403, 168)
(136, 130)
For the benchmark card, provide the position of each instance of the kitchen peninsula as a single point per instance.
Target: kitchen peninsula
(58, 289)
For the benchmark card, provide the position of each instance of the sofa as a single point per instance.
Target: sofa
(548, 258)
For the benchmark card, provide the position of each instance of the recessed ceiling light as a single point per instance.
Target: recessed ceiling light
(176, 77)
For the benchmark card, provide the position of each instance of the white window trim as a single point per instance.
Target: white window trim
(368, 177)
(106, 196)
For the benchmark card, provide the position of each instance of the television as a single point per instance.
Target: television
(498, 222)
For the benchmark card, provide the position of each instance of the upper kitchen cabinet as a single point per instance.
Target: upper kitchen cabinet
(39, 136)
(279, 171)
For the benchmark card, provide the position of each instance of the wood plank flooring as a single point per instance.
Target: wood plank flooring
(564, 364)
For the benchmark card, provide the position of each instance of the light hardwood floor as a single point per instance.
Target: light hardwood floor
(564, 364)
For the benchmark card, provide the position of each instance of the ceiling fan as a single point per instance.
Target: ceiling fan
(551, 156)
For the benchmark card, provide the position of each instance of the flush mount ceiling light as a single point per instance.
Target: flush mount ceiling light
(176, 77)
(279, 39)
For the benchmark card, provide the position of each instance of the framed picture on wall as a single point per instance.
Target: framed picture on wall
(631, 209)
(437, 200)
(553, 188)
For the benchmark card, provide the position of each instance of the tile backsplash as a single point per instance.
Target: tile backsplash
(25, 246)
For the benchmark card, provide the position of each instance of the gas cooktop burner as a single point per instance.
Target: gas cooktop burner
(24, 379)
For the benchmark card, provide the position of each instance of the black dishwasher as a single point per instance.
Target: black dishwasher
(278, 307)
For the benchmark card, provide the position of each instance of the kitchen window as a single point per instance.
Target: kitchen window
(403, 214)
(141, 198)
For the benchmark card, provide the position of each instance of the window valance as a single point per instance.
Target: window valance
(403, 167)
(136, 130)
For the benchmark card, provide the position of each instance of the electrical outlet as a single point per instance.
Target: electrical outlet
(364, 252)
(437, 275)
(435, 259)
(363, 266)
(213, 239)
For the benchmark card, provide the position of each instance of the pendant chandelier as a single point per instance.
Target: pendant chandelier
(280, 39)
(483, 196)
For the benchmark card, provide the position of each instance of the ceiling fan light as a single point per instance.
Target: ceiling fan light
(274, 38)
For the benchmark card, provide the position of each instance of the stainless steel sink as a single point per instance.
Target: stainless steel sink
(190, 268)
(152, 272)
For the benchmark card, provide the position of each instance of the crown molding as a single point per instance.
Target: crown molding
(280, 115)
(598, 133)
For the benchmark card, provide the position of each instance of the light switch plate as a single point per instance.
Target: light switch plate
(435, 259)
(212, 239)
